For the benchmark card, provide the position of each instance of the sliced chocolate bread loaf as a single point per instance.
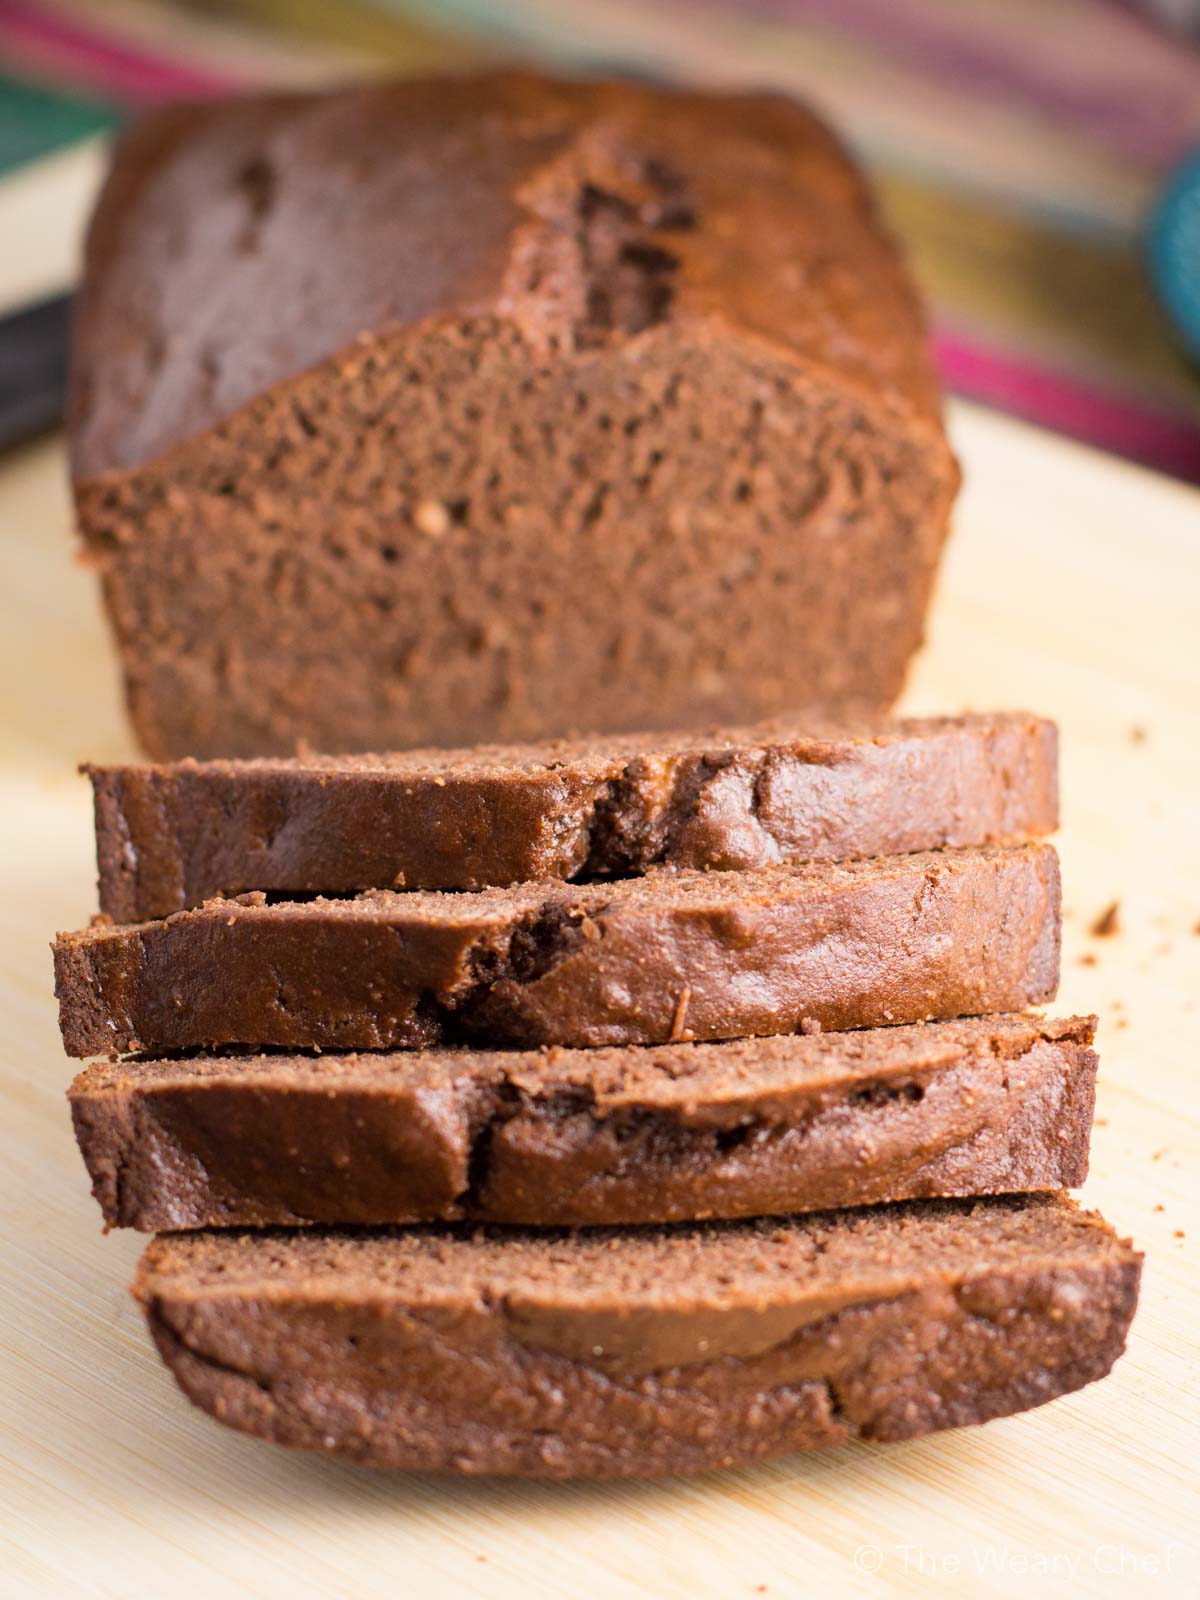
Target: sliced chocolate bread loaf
(497, 408)
(173, 836)
(649, 1351)
(650, 960)
(564, 1138)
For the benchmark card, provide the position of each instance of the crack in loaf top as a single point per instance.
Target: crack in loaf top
(237, 246)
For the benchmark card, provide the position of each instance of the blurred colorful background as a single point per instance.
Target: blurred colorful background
(1023, 149)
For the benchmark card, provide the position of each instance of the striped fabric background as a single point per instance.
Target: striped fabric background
(1018, 145)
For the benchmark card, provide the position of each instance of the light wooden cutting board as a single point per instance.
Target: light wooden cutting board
(1072, 587)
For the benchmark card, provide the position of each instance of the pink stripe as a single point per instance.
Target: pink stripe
(1130, 88)
(1053, 400)
(96, 61)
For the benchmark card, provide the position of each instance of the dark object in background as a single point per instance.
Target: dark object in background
(33, 369)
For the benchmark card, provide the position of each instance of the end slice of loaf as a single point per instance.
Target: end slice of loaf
(667, 957)
(566, 1138)
(496, 407)
(644, 1352)
(172, 836)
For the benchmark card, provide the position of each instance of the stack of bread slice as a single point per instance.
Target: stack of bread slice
(615, 1107)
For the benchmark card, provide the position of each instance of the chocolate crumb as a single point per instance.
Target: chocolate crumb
(592, 236)
(1057, 1290)
(1108, 922)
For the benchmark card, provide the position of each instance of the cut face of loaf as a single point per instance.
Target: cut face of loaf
(692, 955)
(571, 1138)
(172, 836)
(652, 1351)
(496, 408)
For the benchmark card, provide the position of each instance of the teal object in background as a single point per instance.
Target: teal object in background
(1175, 251)
(35, 121)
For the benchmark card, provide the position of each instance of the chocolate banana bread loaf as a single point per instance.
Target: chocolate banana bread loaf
(650, 1351)
(666, 957)
(565, 1138)
(168, 837)
(438, 411)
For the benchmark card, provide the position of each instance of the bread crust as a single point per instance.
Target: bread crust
(499, 408)
(667, 957)
(169, 837)
(645, 1352)
(574, 1138)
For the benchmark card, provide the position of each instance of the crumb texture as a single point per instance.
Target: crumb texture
(587, 1137)
(639, 1353)
(662, 958)
(615, 383)
(172, 836)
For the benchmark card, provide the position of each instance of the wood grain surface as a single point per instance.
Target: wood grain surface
(1072, 587)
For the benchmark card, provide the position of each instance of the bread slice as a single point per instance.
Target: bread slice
(498, 407)
(640, 1352)
(648, 960)
(173, 836)
(564, 1138)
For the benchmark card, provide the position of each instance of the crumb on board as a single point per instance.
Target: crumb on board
(1138, 734)
(1088, 959)
(1108, 922)
(1160, 1206)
